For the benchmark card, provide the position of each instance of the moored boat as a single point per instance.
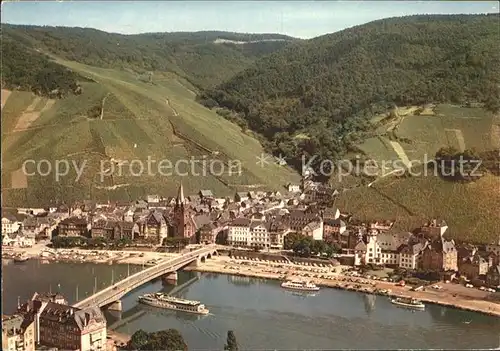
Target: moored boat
(21, 258)
(173, 303)
(299, 285)
(407, 302)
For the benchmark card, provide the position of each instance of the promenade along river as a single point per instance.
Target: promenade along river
(262, 315)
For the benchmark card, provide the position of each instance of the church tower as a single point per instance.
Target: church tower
(181, 215)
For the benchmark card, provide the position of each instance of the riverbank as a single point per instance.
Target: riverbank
(41, 252)
(451, 295)
(116, 340)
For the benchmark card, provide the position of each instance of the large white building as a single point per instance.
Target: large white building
(66, 327)
(239, 232)
(259, 234)
(314, 229)
(10, 225)
(247, 232)
(389, 249)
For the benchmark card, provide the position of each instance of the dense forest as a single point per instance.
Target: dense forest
(26, 69)
(193, 56)
(315, 97)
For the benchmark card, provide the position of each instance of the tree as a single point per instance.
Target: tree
(138, 340)
(221, 238)
(231, 343)
(164, 340)
(291, 239)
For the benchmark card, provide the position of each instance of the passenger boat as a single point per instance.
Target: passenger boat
(409, 303)
(299, 285)
(21, 258)
(173, 303)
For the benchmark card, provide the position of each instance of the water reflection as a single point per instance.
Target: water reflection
(165, 313)
(301, 294)
(369, 301)
(244, 280)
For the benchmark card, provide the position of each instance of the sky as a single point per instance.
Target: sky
(302, 19)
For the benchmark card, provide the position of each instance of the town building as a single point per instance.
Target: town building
(259, 234)
(381, 226)
(385, 248)
(410, 254)
(440, 255)
(239, 232)
(74, 226)
(330, 213)
(65, 327)
(18, 239)
(434, 229)
(333, 230)
(293, 188)
(184, 226)
(495, 248)
(36, 226)
(18, 333)
(277, 235)
(10, 224)
(493, 276)
(114, 230)
(314, 229)
(208, 233)
(206, 195)
(153, 199)
(241, 196)
(298, 219)
(156, 228)
(473, 267)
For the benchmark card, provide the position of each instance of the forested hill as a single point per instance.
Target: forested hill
(314, 96)
(196, 56)
(24, 68)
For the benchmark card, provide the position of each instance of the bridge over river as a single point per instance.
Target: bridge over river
(110, 296)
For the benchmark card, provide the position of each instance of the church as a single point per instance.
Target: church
(183, 224)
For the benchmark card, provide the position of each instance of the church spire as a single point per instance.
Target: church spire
(180, 195)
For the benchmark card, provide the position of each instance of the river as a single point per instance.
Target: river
(262, 315)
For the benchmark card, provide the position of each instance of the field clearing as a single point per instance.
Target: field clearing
(73, 108)
(18, 102)
(428, 133)
(401, 152)
(428, 111)
(5, 96)
(455, 137)
(33, 112)
(379, 149)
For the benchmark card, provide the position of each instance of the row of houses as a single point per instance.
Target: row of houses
(262, 231)
(428, 249)
(182, 217)
(26, 229)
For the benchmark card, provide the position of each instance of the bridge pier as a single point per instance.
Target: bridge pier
(115, 306)
(195, 263)
(170, 278)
